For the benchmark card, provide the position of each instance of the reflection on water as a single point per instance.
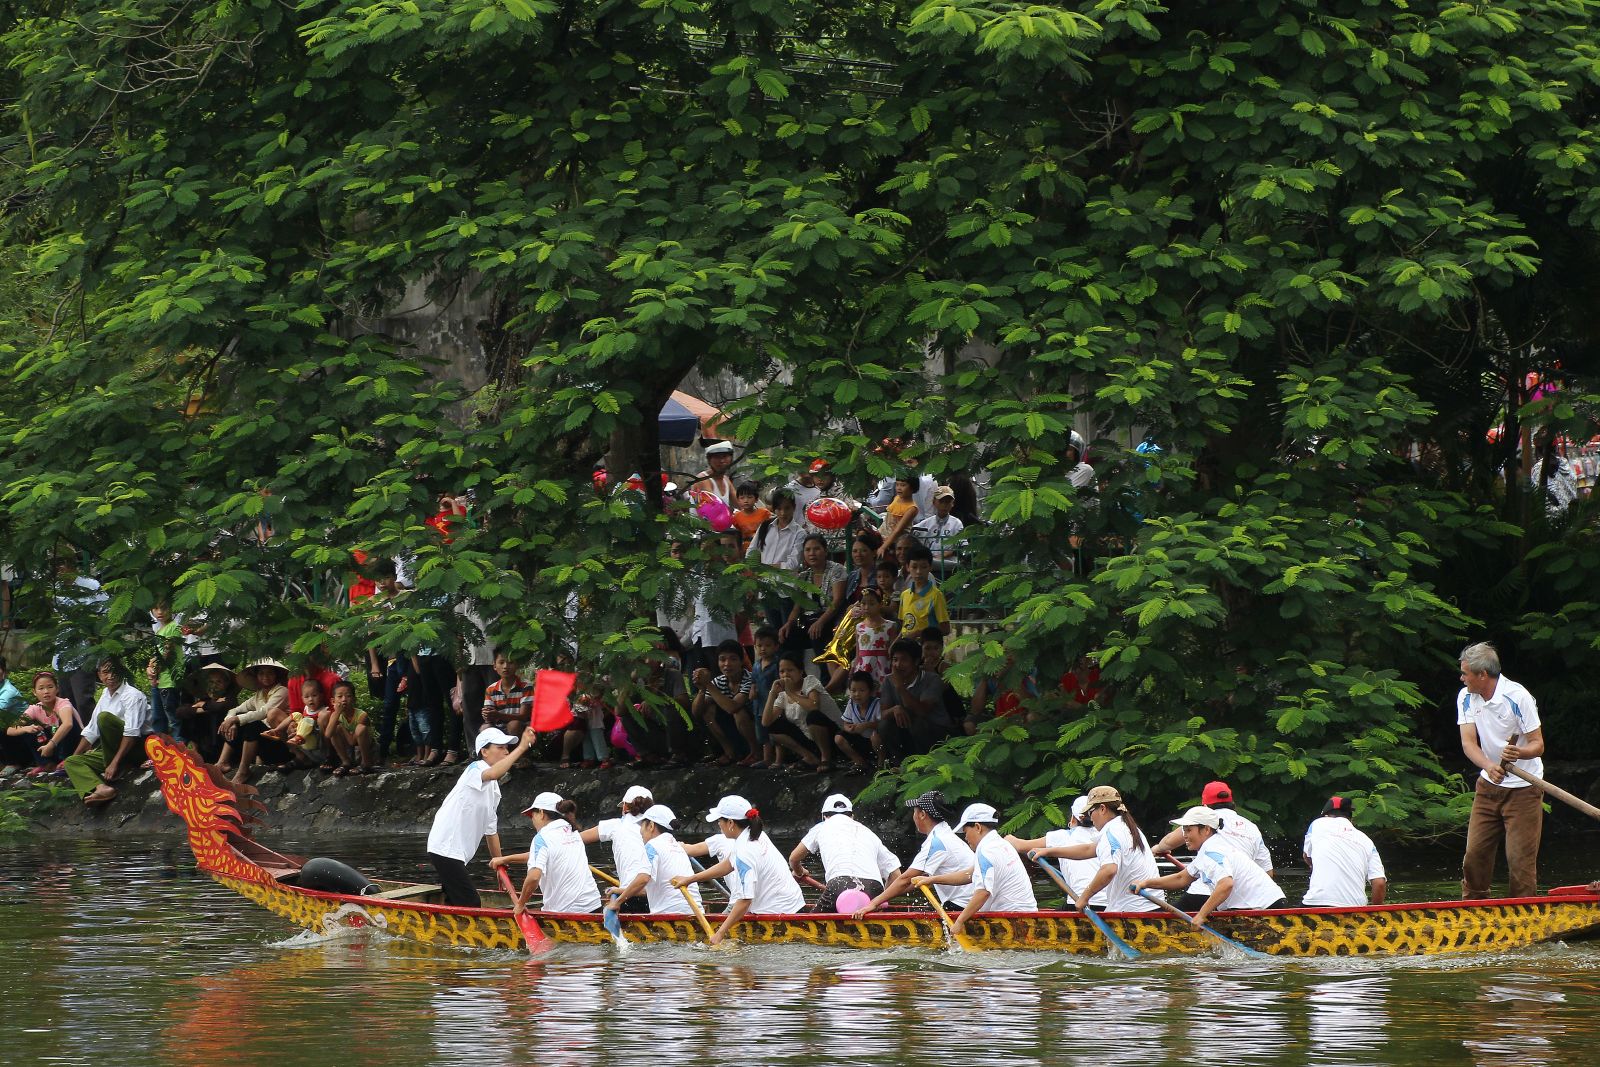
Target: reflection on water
(118, 953)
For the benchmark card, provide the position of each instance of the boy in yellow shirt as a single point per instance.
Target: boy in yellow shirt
(921, 601)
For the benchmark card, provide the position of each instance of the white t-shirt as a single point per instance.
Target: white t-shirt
(943, 851)
(467, 815)
(627, 847)
(719, 847)
(667, 861)
(1115, 846)
(1079, 873)
(1343, 861)
(126, 704)
(849, 850)
(1511, 710)
(565, 882)
(1217, 859)
(812, 686)
(1000, 870)
(1245, 836)
(761, 876)
(939, 535)
(781, 548)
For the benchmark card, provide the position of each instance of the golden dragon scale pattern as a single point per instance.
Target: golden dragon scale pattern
(210, 812)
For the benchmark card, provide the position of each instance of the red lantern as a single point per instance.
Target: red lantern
(827, 513)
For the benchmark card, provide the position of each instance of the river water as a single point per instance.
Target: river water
(117, 952)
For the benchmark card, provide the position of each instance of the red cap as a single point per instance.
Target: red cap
(818, 466)
(1216, 793)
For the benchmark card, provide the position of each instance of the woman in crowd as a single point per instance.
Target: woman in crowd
(218, 693)
(627, 846)
(470, 814)
(49, 727)
(558, 866)
(942, 851)
(812, 618)
(758, 880)
(667, 860)
(797, 709)
(1121, 852)
(265, 707)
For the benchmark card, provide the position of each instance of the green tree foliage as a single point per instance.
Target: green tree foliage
(1289, 239)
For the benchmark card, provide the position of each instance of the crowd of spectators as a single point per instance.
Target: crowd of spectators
(838, 660)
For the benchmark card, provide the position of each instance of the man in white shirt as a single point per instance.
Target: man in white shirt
(999, 880)
(1235, 881)
(1499, 722)
(113, 738)
(1240, 831)
(1343, 860)
(853, 857)
(942, 851)
(939, 532)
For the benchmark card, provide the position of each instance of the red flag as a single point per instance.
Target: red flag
(550, 708)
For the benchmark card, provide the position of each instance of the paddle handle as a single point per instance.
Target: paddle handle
(602, 875)
(1554, 790)
(531, 933)
(951, 939)
(699, 913)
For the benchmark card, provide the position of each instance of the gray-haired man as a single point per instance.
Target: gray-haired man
(1499, 722)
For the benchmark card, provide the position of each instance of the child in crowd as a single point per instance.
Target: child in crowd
(901, 512)
(164, 670)
(763, 676)
(348, 733)
(922, 602)
(58, 724)
(508, 702)
(585, 740)
(749, 515)
(727, 696)
(30, 741)
(299, 729)
(860, 720)
(888, 582)
(874, 634)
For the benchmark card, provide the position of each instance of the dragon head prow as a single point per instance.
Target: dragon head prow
(195, 792)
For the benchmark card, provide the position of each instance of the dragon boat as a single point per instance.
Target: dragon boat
(217, 811)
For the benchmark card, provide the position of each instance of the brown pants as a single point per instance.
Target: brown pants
(1517, 816)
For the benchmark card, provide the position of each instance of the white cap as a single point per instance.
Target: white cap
(661, 815)
(1080, 806)
(490, 736)
(545, 802)
(1199, 815)
(837, 804)
(635, 792)
(721, 448)
(977, 813)
(731, 806)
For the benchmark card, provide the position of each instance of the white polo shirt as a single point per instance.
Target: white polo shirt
(1115, 846)
(627, 847)
(467, 815)
(761, 876)
(1343, 861)
(1246, 837)
(943, 851)
(667, 861)
(1511, 710)
(1000, 870)
(1078, 873)
(849, 850)
(1219, 859)
(565, 882)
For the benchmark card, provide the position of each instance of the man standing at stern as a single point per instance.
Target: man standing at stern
(1500, 728)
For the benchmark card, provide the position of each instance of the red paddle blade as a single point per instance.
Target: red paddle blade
(525, 922)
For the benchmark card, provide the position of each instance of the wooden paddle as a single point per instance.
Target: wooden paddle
(531, 934)
(602, 875)
(1099, 924)
(1554, 790)
(694, 906)
(957, 942)
(1160, 900)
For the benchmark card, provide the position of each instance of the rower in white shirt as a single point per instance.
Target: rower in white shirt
(998, 878)
(1235, 881)
(1343, 861)
(853, 857)
(942, 851)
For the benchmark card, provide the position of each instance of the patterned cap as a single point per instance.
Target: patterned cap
(932, 804)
